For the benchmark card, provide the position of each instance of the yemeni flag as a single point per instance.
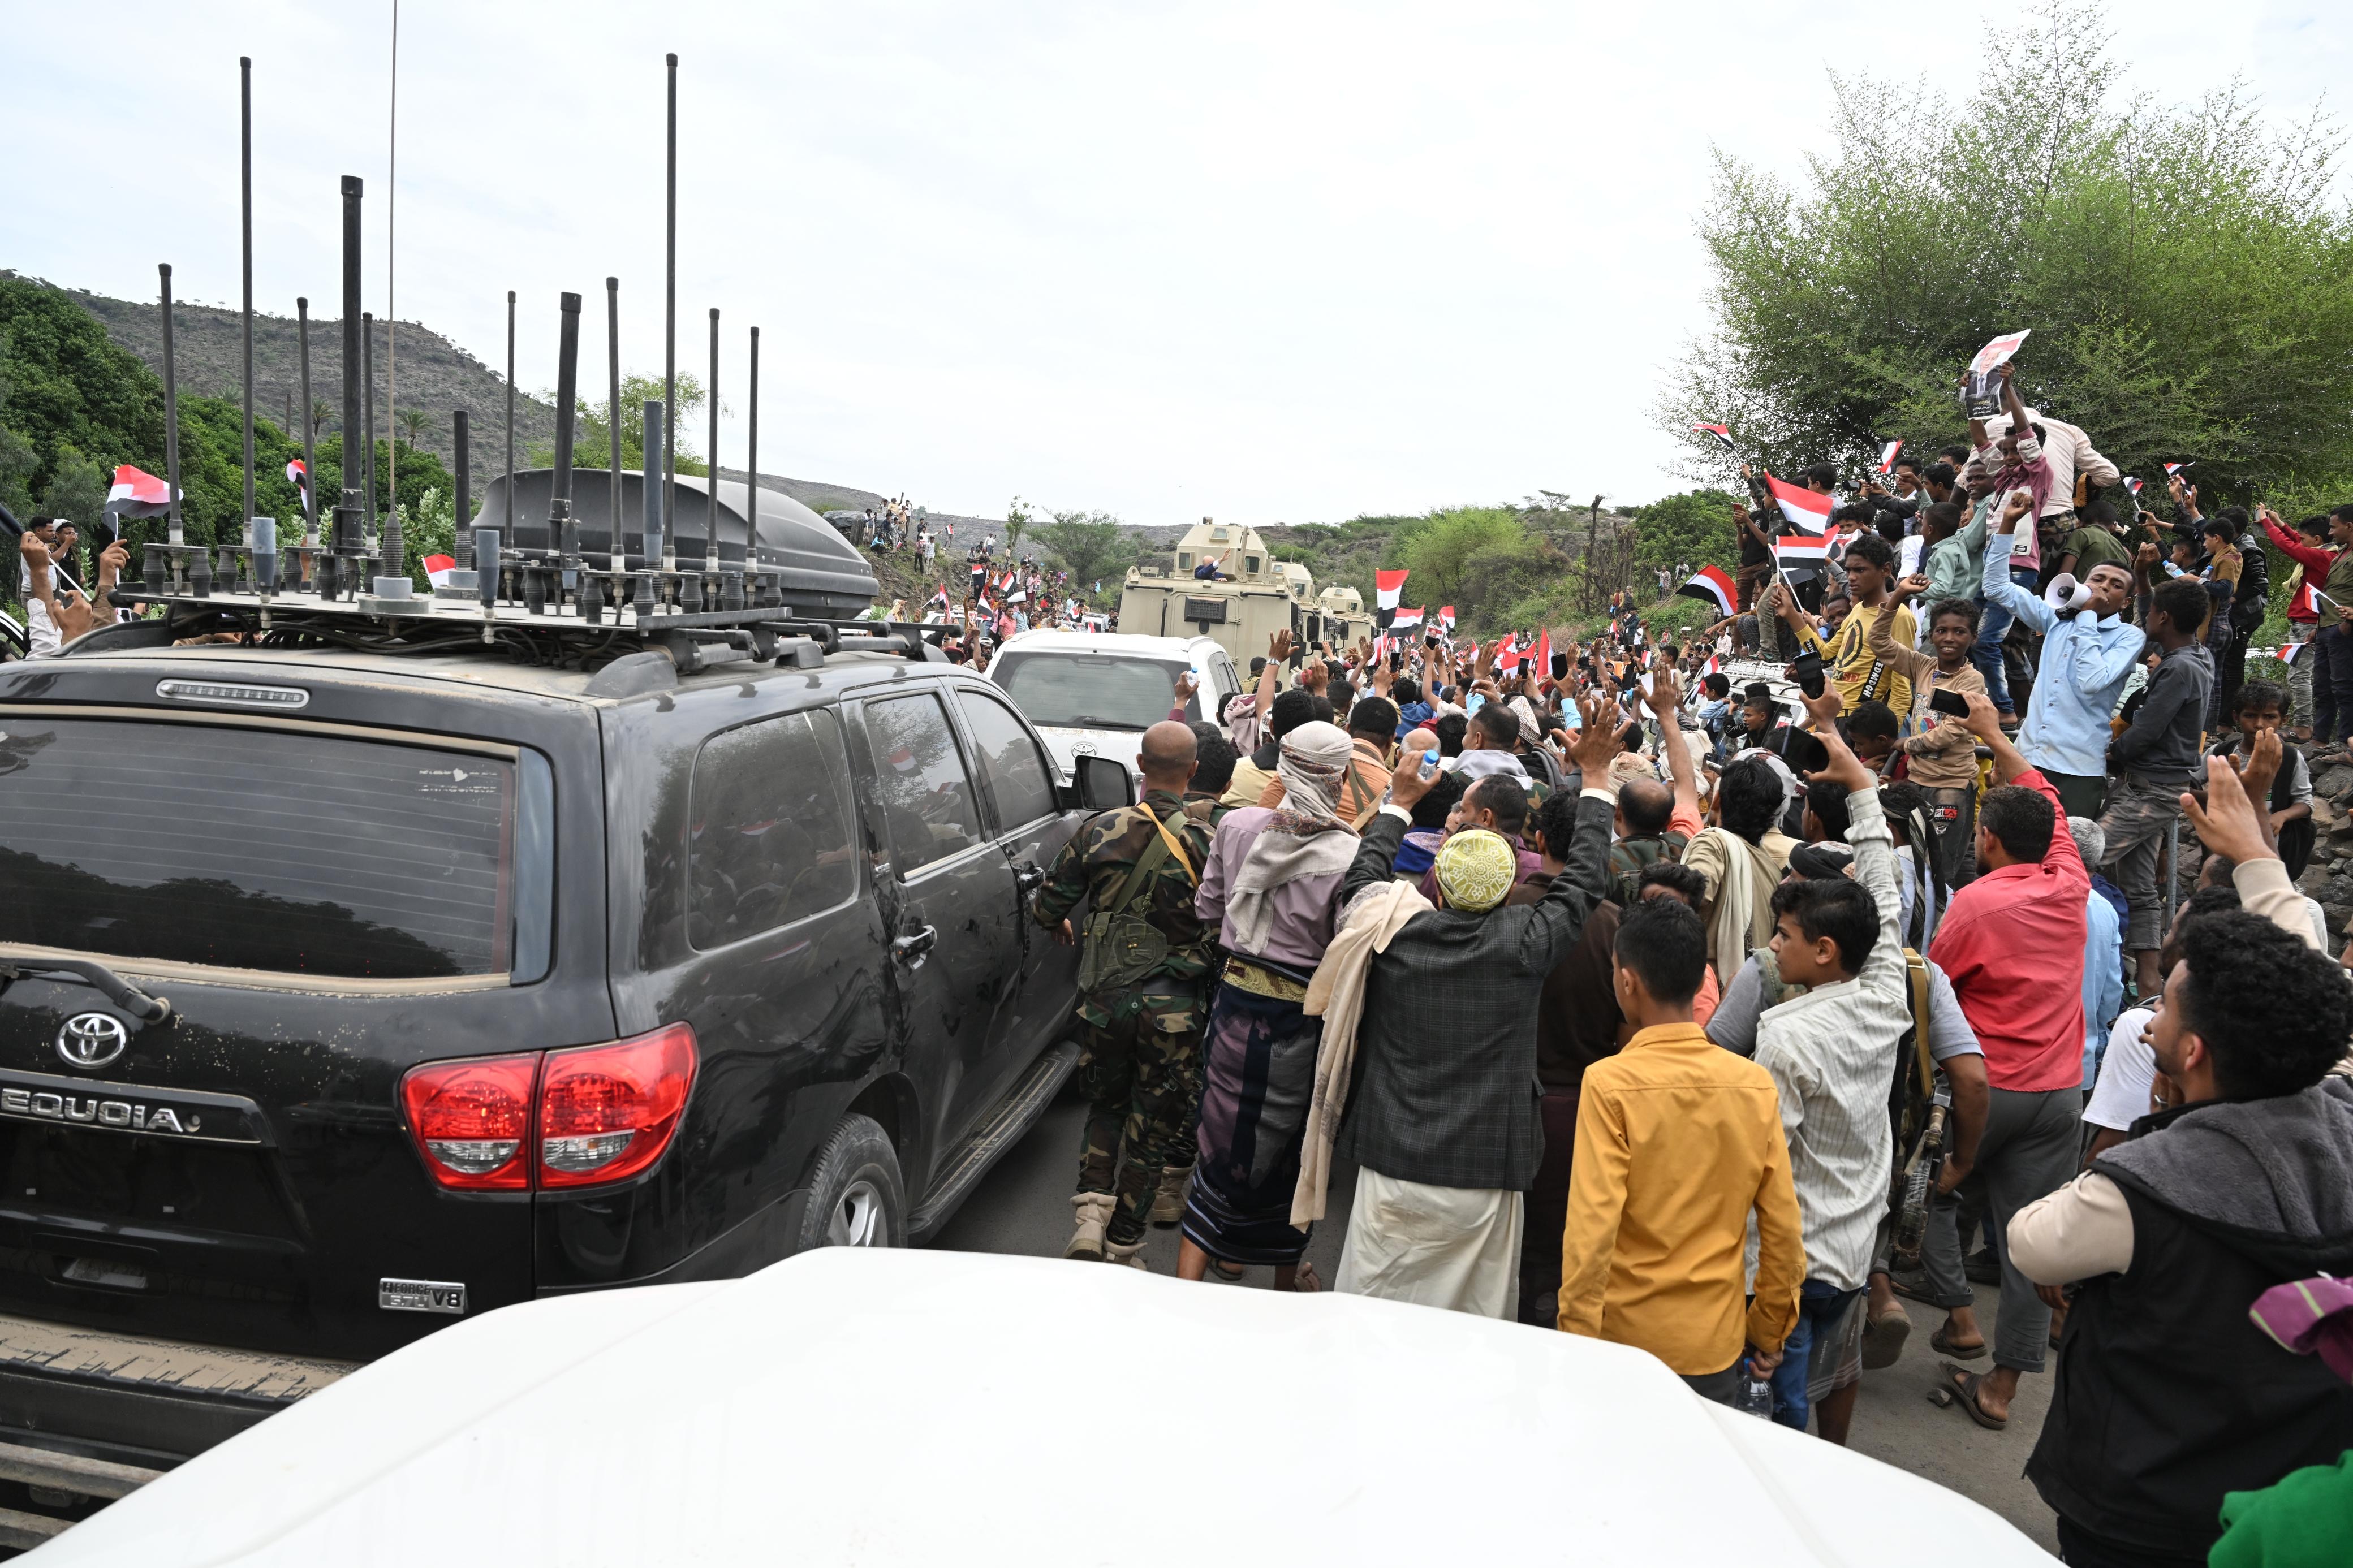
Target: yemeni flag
(300, 478)
(1446, 618)
(1720, 434)
(2133, 485)
(1543, 653)
(1805, 510)
(1509, 654)
(1887, 451)
(1406, 620)
(138, 494)
(1711, 585)
(2173, 469)
(1387, 586)
(1807, 551)
(437, 567)
(938, 601)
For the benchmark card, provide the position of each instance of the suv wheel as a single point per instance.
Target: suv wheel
(856, 1198)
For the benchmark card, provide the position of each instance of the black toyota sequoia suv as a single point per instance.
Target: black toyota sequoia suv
(359, 974)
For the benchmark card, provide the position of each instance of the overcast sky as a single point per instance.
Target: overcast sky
(1272, 262)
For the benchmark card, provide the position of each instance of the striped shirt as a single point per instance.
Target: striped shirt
(1831, 1053)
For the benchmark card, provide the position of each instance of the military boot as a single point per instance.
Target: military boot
(1128, 1252)
(1168, 1204)
(1093, 1214)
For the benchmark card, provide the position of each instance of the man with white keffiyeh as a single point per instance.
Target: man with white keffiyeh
(1272, 884)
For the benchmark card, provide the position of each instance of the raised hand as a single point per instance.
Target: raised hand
(2227, 824)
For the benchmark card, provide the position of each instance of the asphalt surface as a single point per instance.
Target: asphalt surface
(1023, 1206)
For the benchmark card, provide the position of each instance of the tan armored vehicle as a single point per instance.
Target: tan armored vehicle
(1254, 597)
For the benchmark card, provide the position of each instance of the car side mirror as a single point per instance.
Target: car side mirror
(1103, 784)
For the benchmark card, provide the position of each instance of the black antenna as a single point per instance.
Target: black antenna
(669, 344)
(245, 181)
(462, 548)
(563, 528)
(348, 515)
(643, 603)
(711, 588)
(310, 458)
(752, 473)
(175, 529)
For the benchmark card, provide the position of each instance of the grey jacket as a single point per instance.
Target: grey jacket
(2160, 747)
(1446, 1086)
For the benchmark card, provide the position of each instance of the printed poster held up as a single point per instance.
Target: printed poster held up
(1981, 393)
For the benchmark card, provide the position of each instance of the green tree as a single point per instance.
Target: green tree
(1092, 545)
(413, 422)
(1695, 526)
(592, 439)
(77, 488)
(2187, 274)
(429, 528)
(1018, 520)
(1438, 547)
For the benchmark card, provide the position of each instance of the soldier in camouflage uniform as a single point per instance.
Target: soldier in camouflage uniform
(1142, 992)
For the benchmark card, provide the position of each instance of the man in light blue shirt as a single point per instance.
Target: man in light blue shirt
(2087, 656)
(2104, 954)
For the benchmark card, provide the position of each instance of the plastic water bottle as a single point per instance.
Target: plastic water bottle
(1755, 1396)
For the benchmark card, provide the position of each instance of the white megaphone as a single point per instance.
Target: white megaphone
(2067, 595)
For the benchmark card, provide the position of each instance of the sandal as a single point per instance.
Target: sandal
(1305, 1281)
(1220, 1269)
(1883, 1339)
(1960, 1387)
(1942, 1343)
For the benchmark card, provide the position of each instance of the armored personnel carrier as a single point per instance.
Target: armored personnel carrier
(1251, 597)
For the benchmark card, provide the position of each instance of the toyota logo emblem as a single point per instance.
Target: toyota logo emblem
(92, 1039)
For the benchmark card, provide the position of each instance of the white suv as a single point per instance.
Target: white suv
(1095, 693)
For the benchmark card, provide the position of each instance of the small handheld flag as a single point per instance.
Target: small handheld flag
(1722, 434)
(436, 567)
(300, 478)
(136, 493)
(1387, 586)
(1887, 455)
(1711, 585)
(1406, 620)
(1805, 511)
(1446, 616)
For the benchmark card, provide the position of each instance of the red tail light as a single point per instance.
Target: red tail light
(608, 1112)
(600, 1113)
(473, 1120)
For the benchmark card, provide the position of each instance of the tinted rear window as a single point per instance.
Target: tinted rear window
(1091, 690)
(268, 849)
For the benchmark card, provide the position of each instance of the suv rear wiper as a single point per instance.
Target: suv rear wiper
(121, 992)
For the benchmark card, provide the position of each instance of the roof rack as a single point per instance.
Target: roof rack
(560, 635)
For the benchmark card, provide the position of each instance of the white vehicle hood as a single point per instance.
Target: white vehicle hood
(905, 1407)
(1067, 743)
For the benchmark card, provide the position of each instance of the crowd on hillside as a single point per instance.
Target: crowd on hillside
(1725, 1022)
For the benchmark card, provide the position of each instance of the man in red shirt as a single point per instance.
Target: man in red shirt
(2012, 944)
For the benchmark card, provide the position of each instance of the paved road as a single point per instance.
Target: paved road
(1024, 1207)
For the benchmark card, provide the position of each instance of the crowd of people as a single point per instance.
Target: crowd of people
(1728, 1026)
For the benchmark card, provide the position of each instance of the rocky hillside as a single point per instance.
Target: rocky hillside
(436, 374)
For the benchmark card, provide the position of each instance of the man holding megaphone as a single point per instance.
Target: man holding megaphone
(2088, 653)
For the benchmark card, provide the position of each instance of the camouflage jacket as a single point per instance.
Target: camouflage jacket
(1098, 858)
(1629, 858)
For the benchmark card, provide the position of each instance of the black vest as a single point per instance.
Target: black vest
(2168, 1395)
